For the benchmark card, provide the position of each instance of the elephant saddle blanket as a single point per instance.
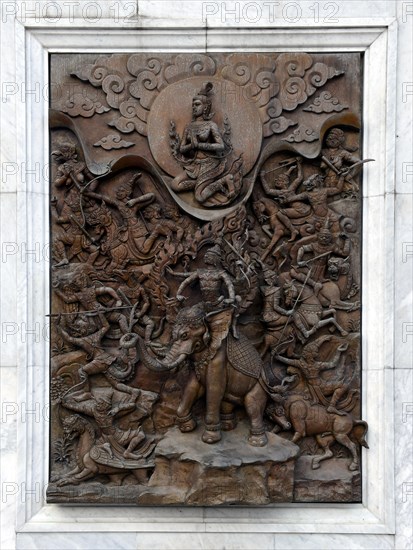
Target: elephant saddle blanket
(243, 356)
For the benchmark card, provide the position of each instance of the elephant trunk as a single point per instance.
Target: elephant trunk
(154, 363)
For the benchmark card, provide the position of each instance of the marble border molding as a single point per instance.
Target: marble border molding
(376, 514)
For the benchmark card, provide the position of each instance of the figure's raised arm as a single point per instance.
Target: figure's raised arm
(335, 360)
(125, 407)
(180, 274)
(265, 185)
(188, 281)
(111, 292)
(291, 362)
(299, 179)
(141, 202)
(100, 197)
(230, 287)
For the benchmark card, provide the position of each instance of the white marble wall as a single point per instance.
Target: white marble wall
(23, 355)
(403, 288)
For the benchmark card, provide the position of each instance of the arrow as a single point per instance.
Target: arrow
(282, 164)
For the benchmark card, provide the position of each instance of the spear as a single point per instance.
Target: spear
(316, 257)
(105, 310)
(238, 254)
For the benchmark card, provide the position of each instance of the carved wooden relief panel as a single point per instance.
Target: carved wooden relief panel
(206, 215)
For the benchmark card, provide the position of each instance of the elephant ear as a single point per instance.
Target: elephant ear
(219, 325)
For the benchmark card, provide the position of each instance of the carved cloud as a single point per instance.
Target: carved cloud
(113, 141)
(274, 85)
(80, 105)
(300, 78)
(326, 103)
(302, 133)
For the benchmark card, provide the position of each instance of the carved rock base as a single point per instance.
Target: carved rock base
(332, 482)
(188, 471)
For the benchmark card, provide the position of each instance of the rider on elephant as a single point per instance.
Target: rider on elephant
(211, 279)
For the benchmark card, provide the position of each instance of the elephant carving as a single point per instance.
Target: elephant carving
(228, 371)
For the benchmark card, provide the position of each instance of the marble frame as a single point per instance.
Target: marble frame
(376, 514)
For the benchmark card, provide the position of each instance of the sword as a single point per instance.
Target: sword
(358, 163)
(346, 170)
